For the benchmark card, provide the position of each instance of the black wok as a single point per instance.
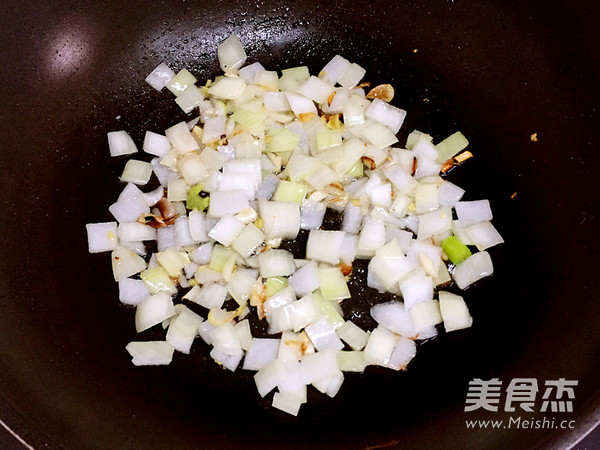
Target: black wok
(498, 71)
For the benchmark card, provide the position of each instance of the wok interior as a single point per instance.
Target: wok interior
(67, 380)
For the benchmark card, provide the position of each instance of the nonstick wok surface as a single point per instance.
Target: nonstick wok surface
(495, 70)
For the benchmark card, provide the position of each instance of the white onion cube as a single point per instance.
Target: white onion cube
(226, 230)
(472, 269)
(394, 317)
(225, 339)
(211, 296)
(305, 280)
(102, 237)
(153, 310)
(156, 144)
(403, 353)
(416, 287)
(131, 291)
(388, 115)
(231, 54)
(322, 335)
(190, 98)
(352, 75)
(160, 76)
(325, 246)
(120, 143)
(474, 211)
(227, 202)
(426, 314)
(262, 352)
(248, 240)
(484, 235)
(280, 219)
(150, 353)
(180, 137)
(299, 104)
(380, 346)
(276, 263)
(335, 68)
(353, 335)
(454, 311)
(316, 89)
(183, 329)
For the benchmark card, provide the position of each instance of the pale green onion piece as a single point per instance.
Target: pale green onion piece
(327, 139)
(357, 170)
(220, 256)
(179, 82)
(288, 191)
(300, 74)
(333, 284)
(248, 120)
(173, 261)
(353, 361)
(275, 284)
(425, 314)
(283, 140)
(353, 335)
(451, 146)
(189, 99)
(414, 137)
(157, 279)
(328, 310)
(137, 172)
(227, 88)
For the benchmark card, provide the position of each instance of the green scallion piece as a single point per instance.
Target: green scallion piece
(456, 250)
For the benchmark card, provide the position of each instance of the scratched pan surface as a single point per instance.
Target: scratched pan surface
(71, 71)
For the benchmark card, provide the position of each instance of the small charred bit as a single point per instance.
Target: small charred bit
(462, 157)
(306, 117)
(258, 298)
(363, 85)
(337, 185)
(448, 165)
(345, 268)
(303, 348)
(333, 121)
(456, 161)
(445, 284)
(156, 221)
(368, 162)
(414, 167)
(330, 98)
(383, 92)
(166, 208)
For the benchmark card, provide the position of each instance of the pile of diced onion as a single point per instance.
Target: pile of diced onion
(263, 156)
